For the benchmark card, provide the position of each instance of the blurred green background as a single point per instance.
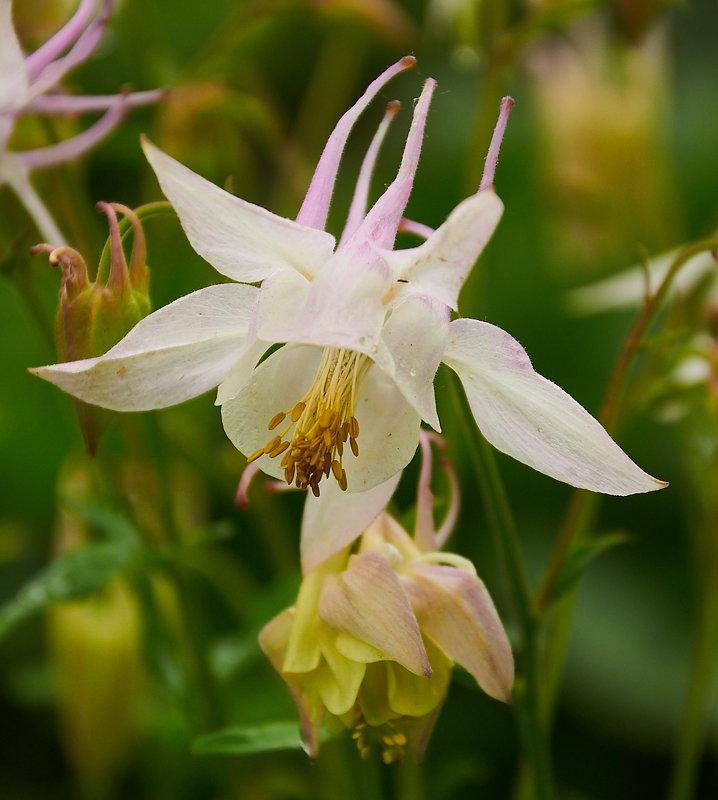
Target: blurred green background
(612, 143)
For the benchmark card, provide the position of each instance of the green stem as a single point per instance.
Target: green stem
(527, 688)
(692, 733)
(611, 407)
(144, 441)
(582, 506)
(409, 783)
(582, 503)
(211, 713)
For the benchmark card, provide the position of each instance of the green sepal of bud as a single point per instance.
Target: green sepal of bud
(94, 316)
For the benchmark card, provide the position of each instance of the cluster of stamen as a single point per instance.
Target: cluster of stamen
(391, 741)
(323, 422)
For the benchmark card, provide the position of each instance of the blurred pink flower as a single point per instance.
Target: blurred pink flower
(30, 85)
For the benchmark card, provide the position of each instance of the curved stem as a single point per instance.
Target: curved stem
(527, 689)
(583, 504)
(631, 347)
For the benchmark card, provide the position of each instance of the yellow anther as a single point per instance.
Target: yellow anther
(280, 448)
(400, 739)
(354, 427)
(272, 443)
(276, 419)
(326, 418)
(323, 420)
(364, 752)
(389, 756)
(255, 455)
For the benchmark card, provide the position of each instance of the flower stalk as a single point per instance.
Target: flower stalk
(527, 694)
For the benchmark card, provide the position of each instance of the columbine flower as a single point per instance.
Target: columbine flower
(364, 329)
(370, 642)
(29, 85)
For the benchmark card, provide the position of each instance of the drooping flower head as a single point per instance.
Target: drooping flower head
(29, 85)
(370, 642)
(364, 328)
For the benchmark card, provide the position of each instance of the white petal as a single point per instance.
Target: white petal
(176, 353)
(241, 371)
(388, 433)
(525, 415)
(277, 384)
(440, 266)
(241, 240)
(14, 82)
(341, 307)
(415, 335)
(335, 518)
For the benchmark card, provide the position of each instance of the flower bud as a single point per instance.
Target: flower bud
(93, 316)
(94, 650)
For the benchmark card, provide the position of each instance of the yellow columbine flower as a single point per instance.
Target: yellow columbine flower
(371, 640)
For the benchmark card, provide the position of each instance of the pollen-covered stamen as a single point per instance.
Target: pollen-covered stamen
(322, 422)
(392, 741)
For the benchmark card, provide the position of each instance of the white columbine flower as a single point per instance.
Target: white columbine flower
(363, 328)
(29, 85)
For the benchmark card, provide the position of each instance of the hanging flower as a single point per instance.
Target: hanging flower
(370, 642)
(29, 85)
(364, 328)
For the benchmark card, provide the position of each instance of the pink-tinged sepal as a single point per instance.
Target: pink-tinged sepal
(441, 265)
(456, 612)
(530, 418)
(368, 602)
(243, 241)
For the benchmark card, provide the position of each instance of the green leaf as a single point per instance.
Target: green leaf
(77, 574)
(578, 560)
(245, 739)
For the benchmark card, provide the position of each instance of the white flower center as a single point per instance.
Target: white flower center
(323, 420)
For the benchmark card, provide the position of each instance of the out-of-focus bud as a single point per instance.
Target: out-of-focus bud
(605, 174)
(93, 316)
(96, 664)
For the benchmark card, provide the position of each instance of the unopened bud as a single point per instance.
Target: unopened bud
(93, 316)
